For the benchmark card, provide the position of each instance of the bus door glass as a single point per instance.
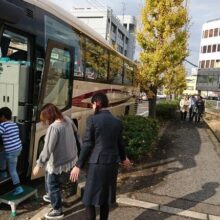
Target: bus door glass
(56, 86)
(14, 85)
(57, 75)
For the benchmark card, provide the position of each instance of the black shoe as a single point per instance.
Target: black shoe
(54, 214)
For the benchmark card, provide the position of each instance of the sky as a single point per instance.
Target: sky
(200, 11)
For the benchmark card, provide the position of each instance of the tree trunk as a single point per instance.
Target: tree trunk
(152, 102)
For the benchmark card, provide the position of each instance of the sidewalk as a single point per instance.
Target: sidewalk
(191, 181)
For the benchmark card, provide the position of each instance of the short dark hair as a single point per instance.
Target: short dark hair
(50, 113)
(6, 112)
(101, 100)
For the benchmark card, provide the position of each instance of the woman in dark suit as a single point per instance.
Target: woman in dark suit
(103, 147)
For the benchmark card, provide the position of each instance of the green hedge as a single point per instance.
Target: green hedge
(167, 109)
(138, 134)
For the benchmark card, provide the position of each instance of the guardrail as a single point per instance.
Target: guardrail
(212, 108)
(212, 104)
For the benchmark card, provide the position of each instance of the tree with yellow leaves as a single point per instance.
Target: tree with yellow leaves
(163, 38)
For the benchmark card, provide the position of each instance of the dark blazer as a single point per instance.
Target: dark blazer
(102, 142)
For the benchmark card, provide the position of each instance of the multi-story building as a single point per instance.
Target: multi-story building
(209, 58)
(103, 21)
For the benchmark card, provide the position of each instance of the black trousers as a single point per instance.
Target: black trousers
(198, 117)
(91, 212)
(183, 116)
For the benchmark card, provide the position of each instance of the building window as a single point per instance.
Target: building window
(204, 49)
(125, 25)
(214, 48)
(218, 48)
(206, 33)
(216, 32)
(209, 49)
(121, 35)
(202, 64)
(131, 28)
(211, 33)
(207, 64)
(212, 63)
(113, 28)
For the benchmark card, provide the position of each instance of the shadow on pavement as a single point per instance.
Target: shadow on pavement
(208, 190)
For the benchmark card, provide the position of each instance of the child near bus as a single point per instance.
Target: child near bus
(9, 132)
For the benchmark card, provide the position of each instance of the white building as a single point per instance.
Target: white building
(209, 59)
(209, 56)
(118, 33)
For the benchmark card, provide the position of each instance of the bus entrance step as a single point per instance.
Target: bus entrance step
(14, 201)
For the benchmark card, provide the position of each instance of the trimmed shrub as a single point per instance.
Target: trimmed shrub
(167, 109)
(138, 135)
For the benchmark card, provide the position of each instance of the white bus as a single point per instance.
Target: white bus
(47, 55)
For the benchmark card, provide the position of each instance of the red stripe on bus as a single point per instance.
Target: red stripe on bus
(77, 101)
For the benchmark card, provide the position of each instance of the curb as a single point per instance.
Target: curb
(213, 132)
(121, 200)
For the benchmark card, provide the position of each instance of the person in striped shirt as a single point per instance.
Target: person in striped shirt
(9, 132)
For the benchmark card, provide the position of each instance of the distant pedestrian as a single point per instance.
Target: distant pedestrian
(103, 147)
(184, 107)
(59, 155)
(192, 107)
(9, 132)
(200, 105)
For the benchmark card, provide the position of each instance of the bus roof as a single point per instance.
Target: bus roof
(73, 21)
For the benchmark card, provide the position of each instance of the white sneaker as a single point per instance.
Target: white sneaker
(54, 214)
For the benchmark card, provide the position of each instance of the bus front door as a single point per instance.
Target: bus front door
(56, 88)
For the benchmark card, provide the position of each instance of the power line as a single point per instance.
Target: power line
(190, 63)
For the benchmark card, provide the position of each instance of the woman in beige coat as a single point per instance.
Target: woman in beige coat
(184, 108)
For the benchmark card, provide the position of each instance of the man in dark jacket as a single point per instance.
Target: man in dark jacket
(103, 147)
(200, 105)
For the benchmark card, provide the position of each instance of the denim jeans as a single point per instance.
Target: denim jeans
(10, 160)
(53, 188)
